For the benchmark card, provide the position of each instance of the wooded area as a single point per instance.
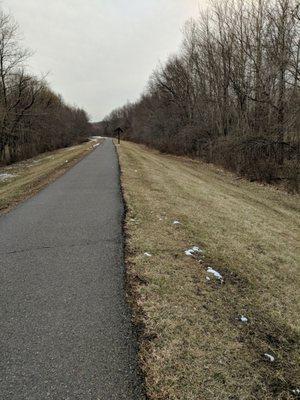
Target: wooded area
(231, 95)
(33, 119)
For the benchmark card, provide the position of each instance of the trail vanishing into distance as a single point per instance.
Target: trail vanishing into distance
(65, 326)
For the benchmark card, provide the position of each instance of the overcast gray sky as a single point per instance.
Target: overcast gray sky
(100, 53)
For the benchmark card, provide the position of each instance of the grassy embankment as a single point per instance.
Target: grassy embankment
(193, 342)
(22, 180)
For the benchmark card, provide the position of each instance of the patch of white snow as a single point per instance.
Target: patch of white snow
(269, 357)
(93, 138)
(5, 176)
(215, 273)
(194, 250)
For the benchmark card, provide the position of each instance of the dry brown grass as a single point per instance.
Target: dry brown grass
(34, 174)
(193, 345)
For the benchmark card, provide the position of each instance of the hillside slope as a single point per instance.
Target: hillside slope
(204, 335)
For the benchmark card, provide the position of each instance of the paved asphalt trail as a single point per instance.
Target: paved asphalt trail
(65, 330)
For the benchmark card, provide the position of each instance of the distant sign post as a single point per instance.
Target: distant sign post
(118, 131)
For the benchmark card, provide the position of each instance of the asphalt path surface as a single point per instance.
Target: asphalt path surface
(65, 330)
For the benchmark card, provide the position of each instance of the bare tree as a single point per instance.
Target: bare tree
(32, 118)
(231, 95)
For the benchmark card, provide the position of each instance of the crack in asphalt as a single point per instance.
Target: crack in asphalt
(66, 246)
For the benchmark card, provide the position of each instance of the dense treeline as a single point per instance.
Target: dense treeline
(231, 95)
(33, 119)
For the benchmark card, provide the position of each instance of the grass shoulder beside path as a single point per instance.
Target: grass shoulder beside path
(22, 180)
(204, 337)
